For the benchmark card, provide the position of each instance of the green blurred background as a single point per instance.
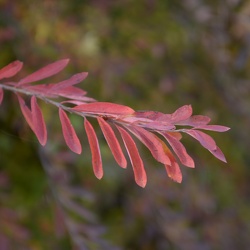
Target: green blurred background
(150, 55)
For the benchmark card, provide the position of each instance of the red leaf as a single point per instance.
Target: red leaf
(68, 92)
(217, 128)
(95, 149)
(179, 149)
(152, 115)
(205, 140)
(195, 120)
(77, 98)
(44, 89)
(103, 108)
(38, 122)
(45, 72)
(136, 161)
(1, 95)
(112, 142)
(174, 172)
(165, 118)
(75, 79)
(173, 169)
(11, 69)
(218, 154)
(182, 113)
(34, 118)
(156, 125)
(71, 92)
(72, 102)
(26, 112)
(69, 133)
(153, 143)
(176, 135)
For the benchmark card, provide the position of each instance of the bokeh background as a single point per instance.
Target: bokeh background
(150, 55)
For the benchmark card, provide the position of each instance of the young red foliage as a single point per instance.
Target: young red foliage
(113, 143)
(152, 142)
(11, 69)
(69, 133)
(218, 154)
(45, 72)
(34, 118)
(72, 93)
(26, 112)
(182, 113)
(179, 150)
(75, 79)
(135, 158)
(95, 149)
(217, 128)
(195, 120)
(143, 124)
(174, 172)
(38, 122)
(104, 108)
(205, 140)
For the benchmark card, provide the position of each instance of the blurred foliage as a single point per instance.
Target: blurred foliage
(155, 55)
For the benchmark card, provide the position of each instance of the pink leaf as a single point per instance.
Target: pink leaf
(78, 98)
(205, 140)
(1, 95)
(95, 149)
(155, 125)
(71, 92)
(173, 169)
(156, 146)
(44, 89)
(112, 142)
(104, 108)
(45, 72)
(176, 135)
(182, 113)
(75, 79)
(38, 122)
(136, 161)
(217, 128)
(179, 149)
(69, 133)
(26, 112)
(218, 154)
(76, 102)
(165, 118)
(174, 172)
(34, 118)
(195, 120)
(11, 69)
(152, 115)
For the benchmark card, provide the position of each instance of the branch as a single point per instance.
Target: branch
(145, 125)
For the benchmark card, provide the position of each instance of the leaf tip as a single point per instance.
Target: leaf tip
(99, 175)
(142, 183)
